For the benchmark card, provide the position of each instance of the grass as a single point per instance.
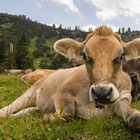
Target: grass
(33, 127)
(6, 25)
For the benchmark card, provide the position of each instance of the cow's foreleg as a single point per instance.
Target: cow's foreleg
(64, 106)
(24, 112)
(28, 99)
(131, 116)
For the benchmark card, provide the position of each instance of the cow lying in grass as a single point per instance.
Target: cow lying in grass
(132, 67)
(74, 92)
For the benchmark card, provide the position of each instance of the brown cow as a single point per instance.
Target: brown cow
(75, 91)
(132, 67)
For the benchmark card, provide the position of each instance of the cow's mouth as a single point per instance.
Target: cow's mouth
(101, 104)
(107, 94)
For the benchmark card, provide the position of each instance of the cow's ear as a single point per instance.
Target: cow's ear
(132, 49)
(118, 37)
(69, 48)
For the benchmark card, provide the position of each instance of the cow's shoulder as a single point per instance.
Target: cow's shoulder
(124, 82)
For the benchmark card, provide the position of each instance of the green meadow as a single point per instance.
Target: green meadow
(33, 127)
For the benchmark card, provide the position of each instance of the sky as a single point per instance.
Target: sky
(84, 13)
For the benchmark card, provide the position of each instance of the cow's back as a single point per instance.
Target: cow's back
(54, 81)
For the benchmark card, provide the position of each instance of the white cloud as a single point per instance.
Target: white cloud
(88, 27)
(93, 27)
(39, 3)
(69, 3)
(137, 21)
(114, 28)
(106, 14)
(109, 9)
(56, 25)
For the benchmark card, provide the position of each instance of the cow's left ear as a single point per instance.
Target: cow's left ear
(132, 49)
(69, 48)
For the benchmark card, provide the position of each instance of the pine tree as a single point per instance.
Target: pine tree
(3, 51)
(41, 48)
(129, 29)
(54, 27)
(119, 31)
(123, 30)
(23, 58)
(60, 32)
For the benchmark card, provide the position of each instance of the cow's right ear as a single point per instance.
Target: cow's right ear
(69, 48)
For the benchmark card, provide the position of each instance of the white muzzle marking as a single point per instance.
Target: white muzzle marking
(115, 92)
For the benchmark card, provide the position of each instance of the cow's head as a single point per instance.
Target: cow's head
(132, 67)
(103, 55)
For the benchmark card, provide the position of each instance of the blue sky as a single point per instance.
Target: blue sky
(85, 13)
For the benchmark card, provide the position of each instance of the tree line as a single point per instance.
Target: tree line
(17, 33)
(128, 34)
(15, 56)
(18, 56)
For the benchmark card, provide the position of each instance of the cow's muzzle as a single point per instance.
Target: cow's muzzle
(103, 94)
(134, 76)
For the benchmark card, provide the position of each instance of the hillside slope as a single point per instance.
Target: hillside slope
(12, 27)
(40, 38)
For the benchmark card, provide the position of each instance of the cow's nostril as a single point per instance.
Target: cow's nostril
(134, 76)
(94, 95)
(108, 93)
(102, 93)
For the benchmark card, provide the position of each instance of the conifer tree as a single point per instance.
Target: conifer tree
(2, 53)
(23, 58)
(41, 48)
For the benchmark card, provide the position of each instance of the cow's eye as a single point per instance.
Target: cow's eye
(83, 55)
(87, 58)
(118, 59)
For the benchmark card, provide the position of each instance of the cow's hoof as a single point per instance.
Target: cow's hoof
(134, 124)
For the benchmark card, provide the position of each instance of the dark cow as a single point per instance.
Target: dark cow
(132, 67)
